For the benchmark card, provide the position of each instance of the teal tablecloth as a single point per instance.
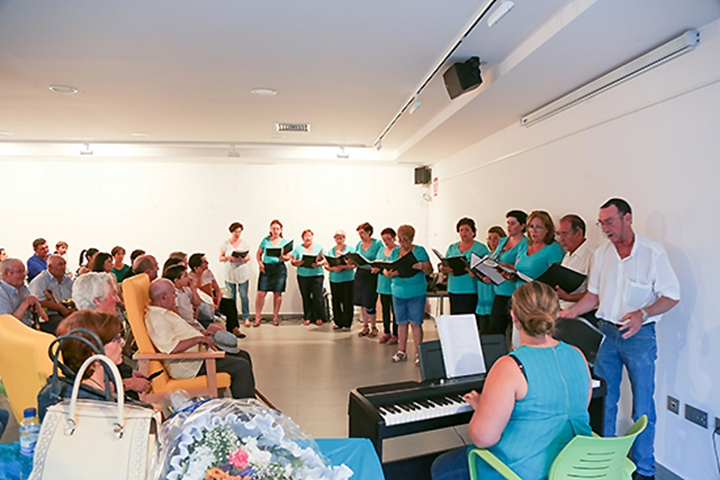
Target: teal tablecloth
(356, 453)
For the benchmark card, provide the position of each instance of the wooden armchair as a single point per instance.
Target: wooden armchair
(137, 297)
(24, 363)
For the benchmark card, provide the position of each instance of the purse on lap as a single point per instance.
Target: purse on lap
(85, 439)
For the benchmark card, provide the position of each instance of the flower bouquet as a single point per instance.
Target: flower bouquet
(226, 439)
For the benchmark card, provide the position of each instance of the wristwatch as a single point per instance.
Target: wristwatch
(645, 315)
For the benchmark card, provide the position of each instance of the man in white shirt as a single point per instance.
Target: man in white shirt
(632, 284)
(52, 287)
(579, 255)
(15, 298)
(171, 334)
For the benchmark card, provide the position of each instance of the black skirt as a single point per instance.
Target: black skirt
(365, 288)
(274, 279)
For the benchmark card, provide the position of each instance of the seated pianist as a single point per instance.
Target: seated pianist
(171, 334)
(534, 400)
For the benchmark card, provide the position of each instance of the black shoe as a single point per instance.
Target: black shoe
(638, 476)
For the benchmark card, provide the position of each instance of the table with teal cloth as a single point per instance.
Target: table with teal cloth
(356, 453)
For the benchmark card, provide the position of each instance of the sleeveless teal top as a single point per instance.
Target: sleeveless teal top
(551, 414)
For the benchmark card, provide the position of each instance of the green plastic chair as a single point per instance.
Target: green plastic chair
(584, 458)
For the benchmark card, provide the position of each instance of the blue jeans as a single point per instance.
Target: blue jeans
(240, 289)
(638, 354)
(452, 465)
(409, 310)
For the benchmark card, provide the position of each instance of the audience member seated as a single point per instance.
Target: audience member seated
(53, 288)
(171, 334)
(87, 257)
(98, 292)
(103, 262)
(172, 261)
(119, 267)
(3, 254)
(534, 400)
(146, 264)
(204, 277)
(38, 262)
(74, 353)
(15, 298)
(187, 300)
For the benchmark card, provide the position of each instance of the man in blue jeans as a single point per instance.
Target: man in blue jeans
(632, 284)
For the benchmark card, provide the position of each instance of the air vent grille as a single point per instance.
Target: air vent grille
(293, 127)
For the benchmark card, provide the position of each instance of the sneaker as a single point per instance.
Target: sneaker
(392, 340)
(399, 356)
(384, 338)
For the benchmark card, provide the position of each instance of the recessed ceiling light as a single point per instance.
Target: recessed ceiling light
(139, 135)
(263, 92)
(64, 89)
(276, 136)
(5, 134)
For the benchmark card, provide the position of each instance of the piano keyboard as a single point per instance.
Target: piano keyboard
(423, 409)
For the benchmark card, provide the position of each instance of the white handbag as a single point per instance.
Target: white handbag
(91, 439)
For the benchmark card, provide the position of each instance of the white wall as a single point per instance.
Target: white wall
(655, 142)
(166, 206)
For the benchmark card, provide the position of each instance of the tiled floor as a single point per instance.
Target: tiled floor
(308, 372)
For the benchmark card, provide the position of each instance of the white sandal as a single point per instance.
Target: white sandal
(399, 356)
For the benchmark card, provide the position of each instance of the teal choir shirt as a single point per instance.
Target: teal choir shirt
(536, 264)
(384, 284)
(304, 271)
(371, 254)
(464, 283)
(343, 275)
(265, 244)
(509, 257)
(414, 286)
(553, 411)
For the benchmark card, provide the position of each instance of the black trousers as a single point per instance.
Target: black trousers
(311, 290)
(242, 380)
(461, 303)
(499, 316)
(342, 302)
(388, 314)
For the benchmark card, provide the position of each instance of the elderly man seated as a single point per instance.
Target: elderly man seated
(171, 334)
(15, 298)
(53, 288)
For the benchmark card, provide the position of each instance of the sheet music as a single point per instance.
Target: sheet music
(460, 345)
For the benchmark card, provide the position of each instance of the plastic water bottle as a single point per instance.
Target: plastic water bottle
(29, 432)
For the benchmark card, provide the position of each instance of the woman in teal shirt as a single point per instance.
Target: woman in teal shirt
(541, 251)
(273, 273)
(310, 280)
(409, 293)
(384, 289)
(365, 288)
(341, 284)
(463, 288)
(506, 253)
(535, 400)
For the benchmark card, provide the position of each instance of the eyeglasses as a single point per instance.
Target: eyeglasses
(118, 339)
(563, 234)
(536, 227)
(607, 223)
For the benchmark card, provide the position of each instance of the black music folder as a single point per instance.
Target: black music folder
(308, 260)
(335, 261)
(580, 333)
(404, 266)
(458, 264)
(563, 277)
(240, 255)
(278, 251)
(357, 259)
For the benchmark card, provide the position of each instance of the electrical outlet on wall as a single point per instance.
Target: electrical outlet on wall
(696, 416)
(673, 404)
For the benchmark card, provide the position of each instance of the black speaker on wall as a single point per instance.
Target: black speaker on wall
(422, 175)
(462, 77)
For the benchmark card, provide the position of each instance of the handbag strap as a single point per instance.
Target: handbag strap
(96, 346)
(109, 365)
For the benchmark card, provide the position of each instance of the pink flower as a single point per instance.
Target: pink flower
(239, 459)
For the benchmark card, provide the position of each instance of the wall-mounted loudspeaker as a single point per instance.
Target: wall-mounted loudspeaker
(462, 77)
(422, 175)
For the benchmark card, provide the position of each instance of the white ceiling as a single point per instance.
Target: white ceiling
(181, 71)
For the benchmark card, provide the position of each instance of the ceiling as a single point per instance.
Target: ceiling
(181, 72)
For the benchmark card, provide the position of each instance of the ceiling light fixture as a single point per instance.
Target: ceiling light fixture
(263, 92)
(415, 106)
(87, 150)
(5, 134)
(139, 135)
(479, 16)
(233, 153)
(276, 136)
(63, 89)
(342, 154)
(501, 11)
(378, 147)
